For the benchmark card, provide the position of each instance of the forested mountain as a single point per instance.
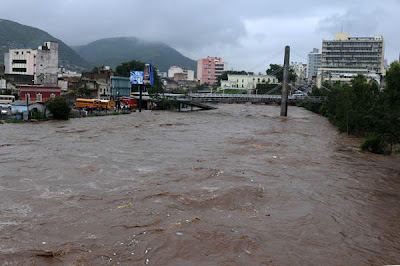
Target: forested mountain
(114, 51)
(14, 35)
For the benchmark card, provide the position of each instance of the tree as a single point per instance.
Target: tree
(390, 106)
(59, 108)
(277, 71)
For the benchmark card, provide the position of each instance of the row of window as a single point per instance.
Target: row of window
(22, 52)
(376, 43)
(352, 53)
(39, 96)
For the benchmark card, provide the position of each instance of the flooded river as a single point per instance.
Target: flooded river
(238, 185)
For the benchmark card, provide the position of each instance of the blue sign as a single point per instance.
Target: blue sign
(137, 77)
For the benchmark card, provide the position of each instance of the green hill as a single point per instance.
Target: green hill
(114, 51)
(16, 36)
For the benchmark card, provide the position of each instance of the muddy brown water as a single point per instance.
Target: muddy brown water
(234, 186)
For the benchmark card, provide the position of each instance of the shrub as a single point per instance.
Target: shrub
(59, 108)
(375, 144)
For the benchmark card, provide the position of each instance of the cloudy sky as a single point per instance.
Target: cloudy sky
(249, 34)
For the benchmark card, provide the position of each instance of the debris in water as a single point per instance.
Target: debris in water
(232, 230)
(124, 206)
(146, 261)
(179, 233)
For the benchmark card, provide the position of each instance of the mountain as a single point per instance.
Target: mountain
(16, 36)
(114, 51)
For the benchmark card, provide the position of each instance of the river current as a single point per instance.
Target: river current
(238, 185)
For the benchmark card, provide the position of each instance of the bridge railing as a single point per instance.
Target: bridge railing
(214, 97)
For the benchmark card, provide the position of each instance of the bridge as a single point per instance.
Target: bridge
(200, 100)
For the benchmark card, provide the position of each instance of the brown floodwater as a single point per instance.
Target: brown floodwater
(238, 185)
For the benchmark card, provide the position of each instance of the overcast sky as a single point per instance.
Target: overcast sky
(248, 35)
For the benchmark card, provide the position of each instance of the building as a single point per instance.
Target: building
(313, 63)
(41, 63)
(120, 86)
(99, 84)
(248, 82)
(39, 93)
(23, 108)
(349, 56)
(182, 72)
(301, 70)
(209, 69)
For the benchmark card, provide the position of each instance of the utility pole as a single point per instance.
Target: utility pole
(285, 82)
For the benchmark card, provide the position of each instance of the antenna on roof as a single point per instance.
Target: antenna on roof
(342, 26)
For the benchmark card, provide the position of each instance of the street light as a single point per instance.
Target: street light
(118, 101)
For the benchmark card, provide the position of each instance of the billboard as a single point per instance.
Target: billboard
(136, 77)
(148, 78)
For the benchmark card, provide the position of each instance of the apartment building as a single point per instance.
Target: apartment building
(41, 63)
(208, 69)
(347, 56)
(313, 63)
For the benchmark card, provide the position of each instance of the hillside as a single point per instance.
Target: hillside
(114, 51)
(14, 36)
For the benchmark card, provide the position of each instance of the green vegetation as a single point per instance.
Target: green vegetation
(361, 109)
(273, 89)
(15, 121)
(37, 115)
(115, 51)
(14, 35)
(277, 70)
(59, 108)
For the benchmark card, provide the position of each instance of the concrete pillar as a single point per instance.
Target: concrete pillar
(285, 82)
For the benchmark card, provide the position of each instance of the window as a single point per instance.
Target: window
(39, 97)
(17, 61)
(19, 69)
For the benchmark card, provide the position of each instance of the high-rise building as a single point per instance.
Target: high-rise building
(345, 57)
(313, 63)
(208, 69)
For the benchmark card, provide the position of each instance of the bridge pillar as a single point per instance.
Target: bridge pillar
(285, 82)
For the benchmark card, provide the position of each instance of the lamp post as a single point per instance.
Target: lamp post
(118, 101)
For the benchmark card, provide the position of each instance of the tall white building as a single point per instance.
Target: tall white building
(42, 63)
(313, 63)
(345, 57)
